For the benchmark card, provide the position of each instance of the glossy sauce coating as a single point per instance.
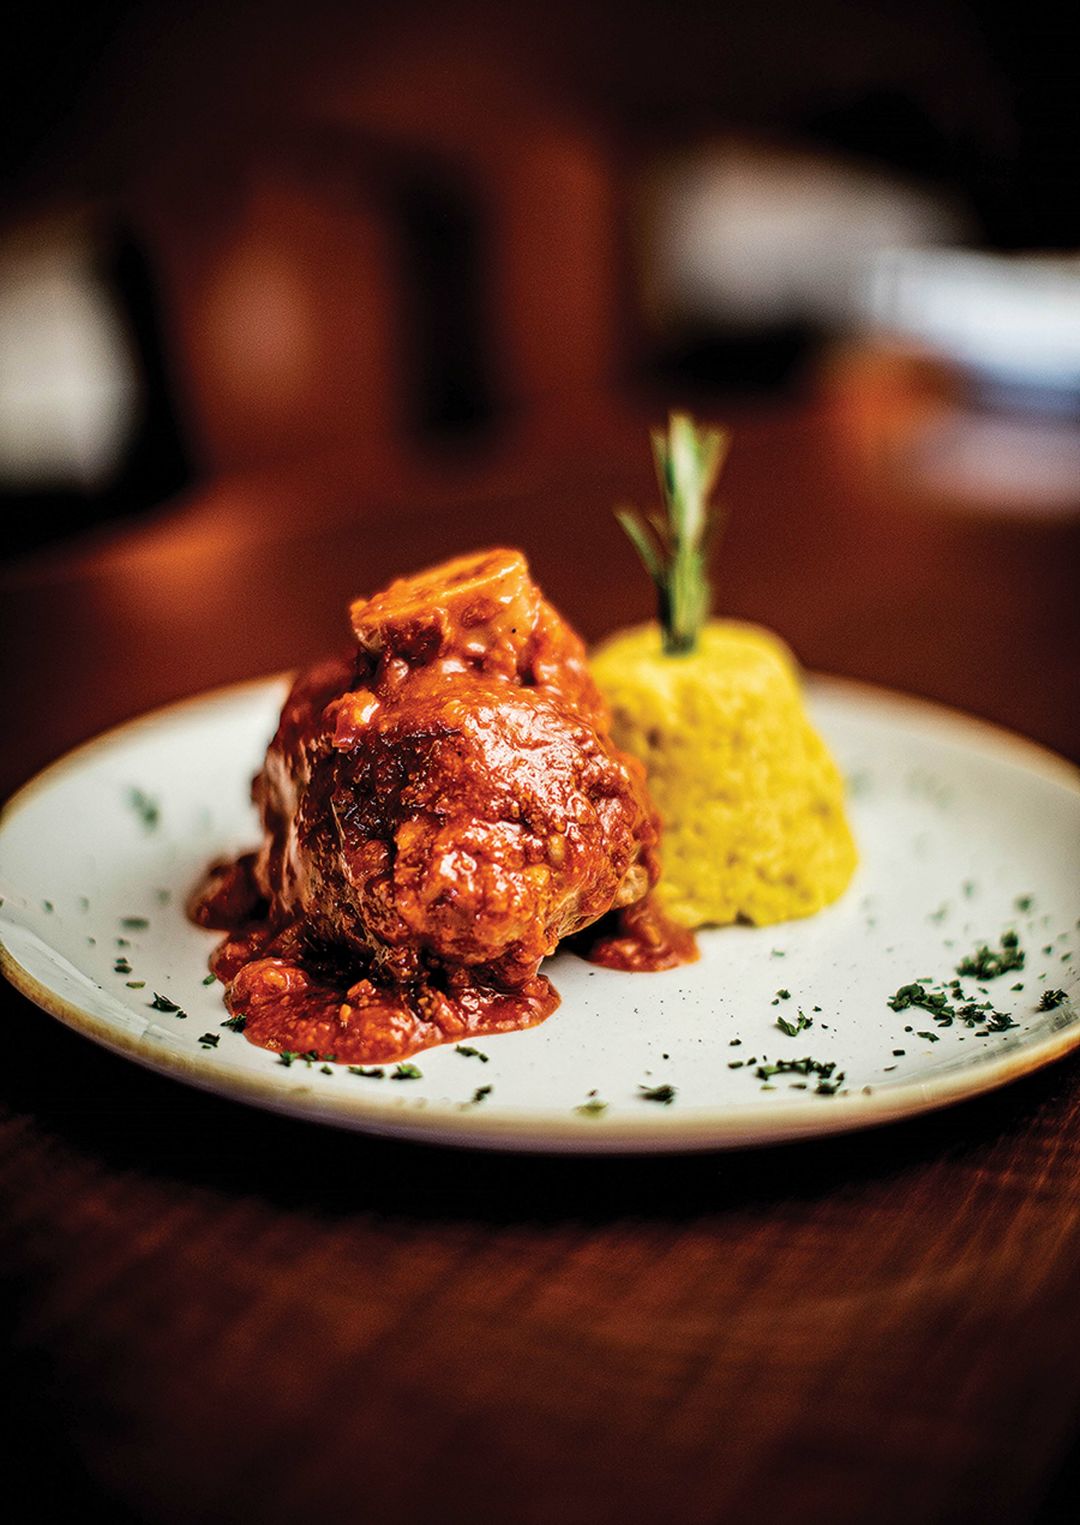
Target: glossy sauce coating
(442, 806)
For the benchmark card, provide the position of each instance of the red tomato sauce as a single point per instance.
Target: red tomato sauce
(294, 1001)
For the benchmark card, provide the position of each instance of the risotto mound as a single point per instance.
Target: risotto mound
(751, 800)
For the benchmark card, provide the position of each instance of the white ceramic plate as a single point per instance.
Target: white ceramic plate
(964, 830)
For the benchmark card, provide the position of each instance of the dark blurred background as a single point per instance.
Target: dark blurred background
(295, 298)
(446, 235)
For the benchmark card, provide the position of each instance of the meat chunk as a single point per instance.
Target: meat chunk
(462, 802)
(441, 806)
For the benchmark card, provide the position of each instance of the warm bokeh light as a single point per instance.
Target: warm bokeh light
(465, 234)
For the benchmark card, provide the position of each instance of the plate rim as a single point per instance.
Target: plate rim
(697, 1130)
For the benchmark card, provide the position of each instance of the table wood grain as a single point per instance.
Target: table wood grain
(214, 1314)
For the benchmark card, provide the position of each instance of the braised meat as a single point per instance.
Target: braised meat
(442, 806)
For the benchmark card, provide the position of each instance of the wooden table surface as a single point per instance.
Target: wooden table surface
(215, 1314)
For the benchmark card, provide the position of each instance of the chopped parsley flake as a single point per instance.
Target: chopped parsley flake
(930, 1037)
(793, 1029)
(406, 1072)
(823, 1069)
(287, 1056)
(210, 1040)
(987, 963)
(47, 905)
(592, 1108)
(209, 979)
(1024, 902)
(1051, 999)
(945, 1009)
(326, 1070)
(470, 1053)
(480, 1092)
(235, 1024)
(135, 984)
(122, 966)
(145, 807)
(162, 1003)
(134, 923)
(372, 1072)
(665, 1094)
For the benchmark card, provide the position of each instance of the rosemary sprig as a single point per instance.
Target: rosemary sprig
(673, 544)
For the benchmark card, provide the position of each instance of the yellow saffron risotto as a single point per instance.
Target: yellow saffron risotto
(751, 800)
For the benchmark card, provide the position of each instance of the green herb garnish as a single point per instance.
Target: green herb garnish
(952, 1005)
(162, 1003)
(145, 807)
(592, 1108)
(987, 963)
(406, 1072)
(793, 1029)
(673, 544)
(210, 1040)
(236, 1024)
(664, 1094)
(470, 1053)
(824, 1069)
(134, 923)
(480, 1093)
(936, 1002)
(287, 1056)
(369, 1073)
(1050, 1000)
